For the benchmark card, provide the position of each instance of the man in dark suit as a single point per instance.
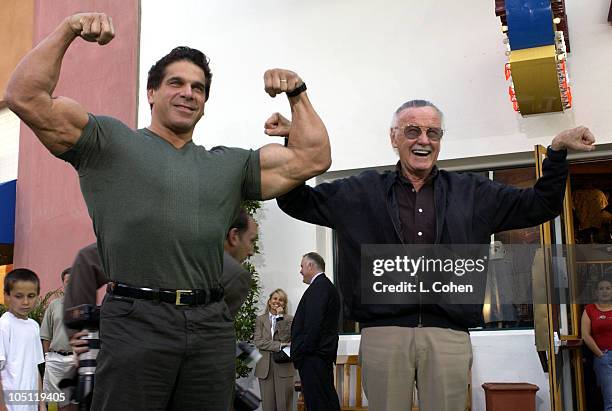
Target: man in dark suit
(314, 336)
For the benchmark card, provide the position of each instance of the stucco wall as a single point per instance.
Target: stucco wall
(52, 223)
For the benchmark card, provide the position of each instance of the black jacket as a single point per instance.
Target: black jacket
(469, 208)
(315, 325)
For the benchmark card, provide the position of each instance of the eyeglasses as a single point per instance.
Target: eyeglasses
(412, 132)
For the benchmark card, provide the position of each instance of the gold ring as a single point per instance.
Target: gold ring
(285, 80)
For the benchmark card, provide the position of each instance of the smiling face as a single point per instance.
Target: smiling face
(417, 156)
(276, 301)
(178, 103)
(22, 298)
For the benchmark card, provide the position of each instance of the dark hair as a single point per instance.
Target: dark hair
(417, 104)
(241, 222)
(158, 70)
(65, 273)
(20, 274)
(317, 259)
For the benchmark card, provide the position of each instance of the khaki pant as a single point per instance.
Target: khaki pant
(276, 390)
(392, 357)
(57, 368)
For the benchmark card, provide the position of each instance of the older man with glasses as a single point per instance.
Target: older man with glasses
(418, 204)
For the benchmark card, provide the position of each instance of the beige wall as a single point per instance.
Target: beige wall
(16, 33)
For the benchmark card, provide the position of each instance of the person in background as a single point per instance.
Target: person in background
(597, 335)
(20, 347)
(315, 335)
(59, 359)
(272, 334)
(239, 245)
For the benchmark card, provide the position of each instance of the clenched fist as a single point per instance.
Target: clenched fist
(277, 125)
(278, 81)
(94, 27)
(579, 138)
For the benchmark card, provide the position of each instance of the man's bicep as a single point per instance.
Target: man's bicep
(57, 122)
(278, 172)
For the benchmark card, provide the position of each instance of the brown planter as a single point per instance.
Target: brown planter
(510, 396)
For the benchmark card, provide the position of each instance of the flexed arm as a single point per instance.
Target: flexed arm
(308, 152)
(56, 121)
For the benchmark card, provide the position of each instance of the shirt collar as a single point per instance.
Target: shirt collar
(402, 179)
(316, 275)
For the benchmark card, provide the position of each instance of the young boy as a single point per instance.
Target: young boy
(20, 347)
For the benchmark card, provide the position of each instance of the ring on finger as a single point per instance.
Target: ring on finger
(283, 80)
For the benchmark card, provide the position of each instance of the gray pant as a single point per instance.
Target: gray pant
(157, 356)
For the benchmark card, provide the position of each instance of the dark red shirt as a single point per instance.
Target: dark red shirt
(601, 326)
(417, 210)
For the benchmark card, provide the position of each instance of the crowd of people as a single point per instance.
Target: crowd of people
(166, 328)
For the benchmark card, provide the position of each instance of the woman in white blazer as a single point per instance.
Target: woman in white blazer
(272, 333)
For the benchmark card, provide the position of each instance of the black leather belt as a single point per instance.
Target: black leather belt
(176, 297)
(64, 353)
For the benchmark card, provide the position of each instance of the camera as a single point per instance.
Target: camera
(85, 317)
(245, 400)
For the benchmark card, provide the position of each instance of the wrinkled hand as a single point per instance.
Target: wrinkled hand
(278, 81)
(579, 138)
(277, 125)
(94, 27)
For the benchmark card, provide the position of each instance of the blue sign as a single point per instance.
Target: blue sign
(530, 23)
(7, 212)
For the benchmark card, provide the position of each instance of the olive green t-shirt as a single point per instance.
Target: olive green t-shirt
(160, 213)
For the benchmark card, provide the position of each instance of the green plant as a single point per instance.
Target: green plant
(244, 322)
(38, 313)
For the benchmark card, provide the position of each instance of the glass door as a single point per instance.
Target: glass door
(556, 317)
